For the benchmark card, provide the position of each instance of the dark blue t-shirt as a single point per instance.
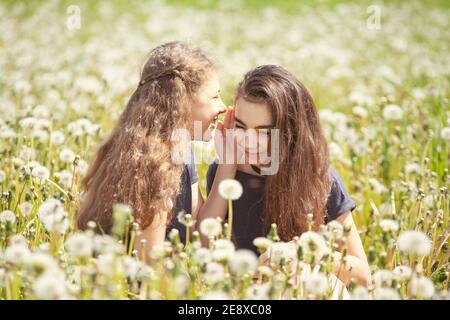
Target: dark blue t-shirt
(248, 209)
(184, 198)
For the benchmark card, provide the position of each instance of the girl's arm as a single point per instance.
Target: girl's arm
(356, 264)
(154, 234)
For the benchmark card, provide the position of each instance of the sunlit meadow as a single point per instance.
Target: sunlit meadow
(380, 78)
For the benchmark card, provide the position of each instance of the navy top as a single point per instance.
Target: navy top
(247, 210)
(184, 198)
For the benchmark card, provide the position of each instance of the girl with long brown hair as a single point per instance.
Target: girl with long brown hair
(270, 97)
(134, 165)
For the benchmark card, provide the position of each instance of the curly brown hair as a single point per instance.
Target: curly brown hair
(133, 165)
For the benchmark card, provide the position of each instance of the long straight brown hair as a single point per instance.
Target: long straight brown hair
(133, 165)
(302, 183)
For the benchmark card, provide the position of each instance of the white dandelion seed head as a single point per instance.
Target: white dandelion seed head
(2, 176)
(230, 189)
(334, 230)
(210, 227)
(57, 138)
(312, 242)
(258, 291)
(202, 256)
(262, 243)
(402, 273)
(80, 245)
(215, 295)
(383, 278)
(282, 251)
(414, 242)
(26, 208)
(360, 293)
(421, 287)
(388, 225)
(243, 261)
(67, 155)
(386, 294)
(41, 173)
(17, 254)
(316, 283)
(392, 112)
(445, 133)
(50, 285)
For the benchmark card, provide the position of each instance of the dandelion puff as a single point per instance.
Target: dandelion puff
(386, 294)
(360, 293)
(388, 225)
(41, 173)
(258, 292)
(215, 273)
(392, 112)
(421, 287)
(230, 189)
(282, 251)
(7, 216)
(50, 285)
(26, 208)
(79, 245)
(312, 242)
(57, 138)
(414, 242)
(2, 176)
(243, 261)
(215, 295)
(316, 283)
(382, 278)
(17, 254)
(445, 133)
(402, 273)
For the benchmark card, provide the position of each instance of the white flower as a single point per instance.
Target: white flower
(283, 251)
(360, 293)
(18, 239)
(17, 254)
(215, 295)
(265, 271)
(42, 262)
(445, 133)
(312, 242)
(243, 261)
(262, 243)
(414, 242)
(2, 176)
(377, 186)
(258, 292)
(67, 155)
(360, 112)
(52, 214)
(57, 138)
(215, 273)
(26, 208)
(412, 168)
(109, 265)
(80, 245)
(202, 256)
(230, 189)
(334, 230)
(388, 225)
(181, 284)
(7, 216)
(65, 177)
(50, 285)
(316, 283)
(421, 287)
(41, 173)
(382, 278)
(401, 273)
(82, 168)
(210, 227)
(392, 112)
(386, 294)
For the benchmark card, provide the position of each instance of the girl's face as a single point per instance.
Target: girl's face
(207, 106)
(254, 143)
